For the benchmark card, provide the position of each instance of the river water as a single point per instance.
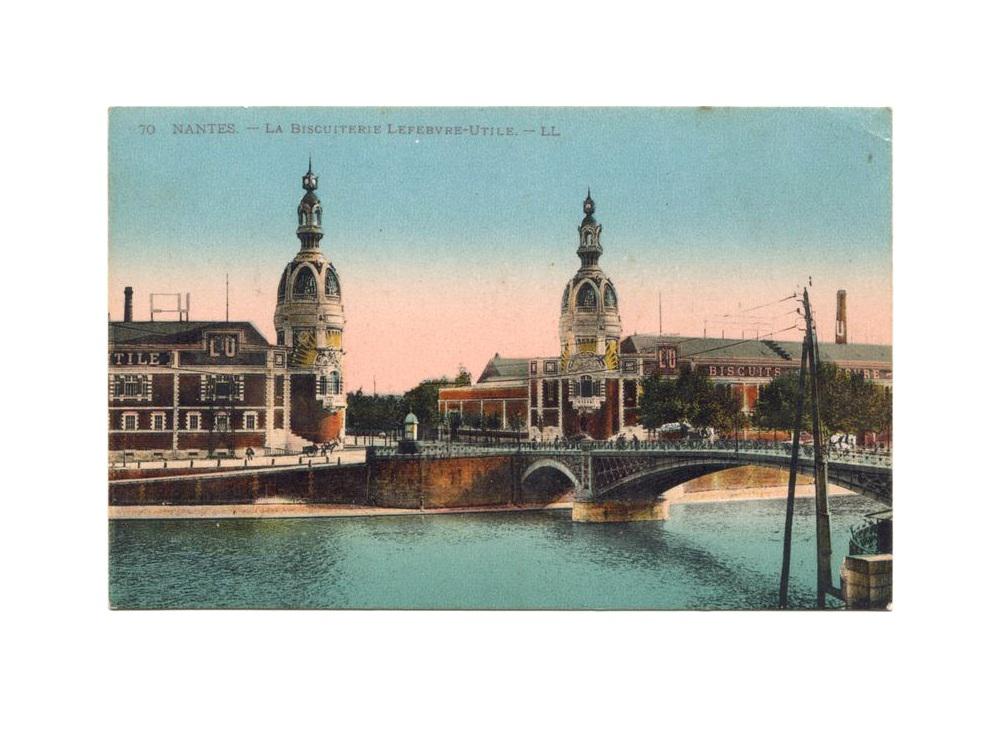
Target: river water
(724, 555)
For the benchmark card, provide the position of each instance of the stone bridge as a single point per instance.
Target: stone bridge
(615, 483)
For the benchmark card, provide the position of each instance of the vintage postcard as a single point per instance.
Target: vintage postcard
(500, 358)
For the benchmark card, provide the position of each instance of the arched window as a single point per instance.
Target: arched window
(305, 284)
(610, 299)
(318, 212)
(331, 286)
(281, 284)
(586, 296)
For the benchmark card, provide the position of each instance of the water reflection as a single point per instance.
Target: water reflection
(720, 555)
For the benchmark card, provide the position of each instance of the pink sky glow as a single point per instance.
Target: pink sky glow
(408, 324)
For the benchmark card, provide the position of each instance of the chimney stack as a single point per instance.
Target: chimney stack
(841, 316)
(128, 304)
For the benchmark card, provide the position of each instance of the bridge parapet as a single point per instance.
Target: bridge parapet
(640, 472)
(860, 457)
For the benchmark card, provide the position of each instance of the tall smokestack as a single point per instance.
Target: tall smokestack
(841, 316)
(128, 304)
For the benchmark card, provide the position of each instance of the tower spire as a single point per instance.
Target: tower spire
(310, 230)
(590, 234)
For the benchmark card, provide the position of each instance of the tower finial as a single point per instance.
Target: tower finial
(309, 180)
(310, 212)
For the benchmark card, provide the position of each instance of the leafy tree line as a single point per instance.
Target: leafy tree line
(690, 397)
(383, 413)
(848, 402)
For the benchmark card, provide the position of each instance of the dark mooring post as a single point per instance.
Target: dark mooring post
(786, 555)
(824, 574)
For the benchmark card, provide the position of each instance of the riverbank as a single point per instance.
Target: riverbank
(777, 492)
(332, 510)
(300, 510)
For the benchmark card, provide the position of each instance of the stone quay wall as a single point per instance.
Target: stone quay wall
(321, 483)
(443, 482)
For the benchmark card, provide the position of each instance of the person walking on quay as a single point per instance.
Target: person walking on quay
(249, 453)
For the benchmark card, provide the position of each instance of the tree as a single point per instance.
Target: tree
(690, 398)
(382, 413)
(848, 402)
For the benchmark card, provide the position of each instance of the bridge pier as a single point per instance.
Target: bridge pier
(621, 511)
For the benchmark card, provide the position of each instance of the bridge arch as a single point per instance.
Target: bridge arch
(549, 463)
(654, 481)
(546, 479)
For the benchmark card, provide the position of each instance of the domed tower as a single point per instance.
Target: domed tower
(309, 320)
(589, 325)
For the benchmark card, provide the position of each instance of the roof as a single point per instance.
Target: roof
(699, 348)
(504, 368)
(175, 332)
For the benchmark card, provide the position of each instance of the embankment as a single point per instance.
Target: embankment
(321, 483)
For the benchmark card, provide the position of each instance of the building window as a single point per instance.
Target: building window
(586, 296)
(281, 337)
(550, 393)
(222, 422)
(131, 388)
(586, 386)
(281, 285)
(194, 420)
(250, 420)
(222, 388)
(159, 421)
(304, 286)
(610, 298)
(130, 421)
(332, 284)
(328, 385)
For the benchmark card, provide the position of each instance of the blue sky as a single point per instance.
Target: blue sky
(689, 199)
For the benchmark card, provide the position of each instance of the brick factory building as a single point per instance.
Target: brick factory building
(196, 388)
(593, 386)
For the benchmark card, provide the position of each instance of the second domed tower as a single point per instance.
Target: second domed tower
(309, 320)
(589, 324)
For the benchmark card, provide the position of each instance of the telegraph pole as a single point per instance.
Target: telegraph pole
(824, 575)
(786, 556)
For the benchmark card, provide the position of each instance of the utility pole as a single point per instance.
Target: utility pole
(786, 555)
(824, 575)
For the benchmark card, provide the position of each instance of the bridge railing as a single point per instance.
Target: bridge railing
(762, 447)
(752, 447)
(458, 449)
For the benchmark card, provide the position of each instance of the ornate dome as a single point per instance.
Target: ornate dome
(589, 319)
(302, 280)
